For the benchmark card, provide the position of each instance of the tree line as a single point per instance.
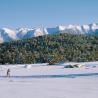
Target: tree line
(50, 49)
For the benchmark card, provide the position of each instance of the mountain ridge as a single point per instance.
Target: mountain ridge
(7, 35)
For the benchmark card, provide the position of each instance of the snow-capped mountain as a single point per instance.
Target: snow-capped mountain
(7, 35)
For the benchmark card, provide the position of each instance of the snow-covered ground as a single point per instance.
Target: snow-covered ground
(43, 81)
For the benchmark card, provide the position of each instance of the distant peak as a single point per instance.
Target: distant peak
(7, 34)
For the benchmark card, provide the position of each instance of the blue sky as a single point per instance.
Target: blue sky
(33, 13)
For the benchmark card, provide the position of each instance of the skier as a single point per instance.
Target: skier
(8, 72)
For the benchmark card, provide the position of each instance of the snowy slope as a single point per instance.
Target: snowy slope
(39, 86)
(7, 34)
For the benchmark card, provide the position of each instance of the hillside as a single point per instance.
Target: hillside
(55, 48)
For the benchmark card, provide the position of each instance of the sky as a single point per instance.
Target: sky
(47, 13)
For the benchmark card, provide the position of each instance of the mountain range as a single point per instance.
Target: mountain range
(7, 35)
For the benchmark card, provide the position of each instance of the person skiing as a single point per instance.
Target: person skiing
(8, 72)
